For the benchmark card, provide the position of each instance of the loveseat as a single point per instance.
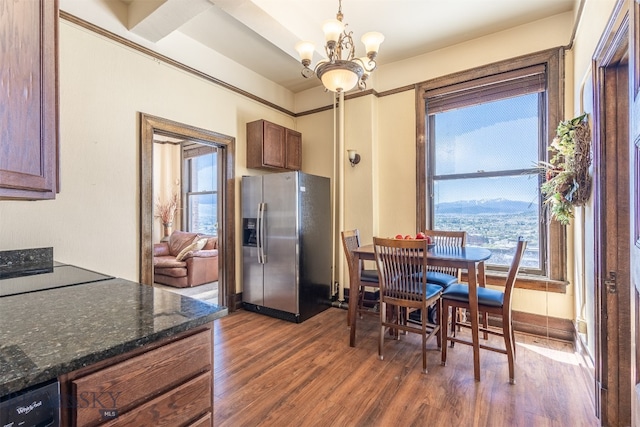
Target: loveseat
(186, 260)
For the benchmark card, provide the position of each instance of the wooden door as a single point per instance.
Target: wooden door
(634, 166)
(612, 221)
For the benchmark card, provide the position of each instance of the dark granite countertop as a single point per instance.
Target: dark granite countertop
(25, 261)
(49, 333)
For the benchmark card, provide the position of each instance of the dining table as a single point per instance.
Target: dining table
(470, 258)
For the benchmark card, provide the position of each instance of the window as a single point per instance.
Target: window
(201, 195)
(484, 132)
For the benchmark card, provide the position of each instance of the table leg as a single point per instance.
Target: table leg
(473, 309)
(354, 288)
(482, 280)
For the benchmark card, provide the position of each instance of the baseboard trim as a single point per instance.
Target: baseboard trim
(534, 324)
(236, 301)
(539, 325)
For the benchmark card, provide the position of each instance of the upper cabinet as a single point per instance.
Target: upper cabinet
(273, 146)
(28, 99)
(293, 157)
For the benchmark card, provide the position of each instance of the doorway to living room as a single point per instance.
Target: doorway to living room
(193, 168)
(186, 191)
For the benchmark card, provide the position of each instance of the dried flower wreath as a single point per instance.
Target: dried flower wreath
(568, 182)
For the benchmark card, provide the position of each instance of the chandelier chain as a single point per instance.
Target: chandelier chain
(339, 15)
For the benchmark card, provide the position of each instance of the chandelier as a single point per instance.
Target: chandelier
(341, 70)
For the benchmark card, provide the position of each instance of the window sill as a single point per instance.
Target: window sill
(526, 281)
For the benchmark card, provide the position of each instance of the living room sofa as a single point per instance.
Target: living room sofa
(186, 260)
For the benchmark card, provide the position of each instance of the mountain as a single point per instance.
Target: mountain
(492, 206)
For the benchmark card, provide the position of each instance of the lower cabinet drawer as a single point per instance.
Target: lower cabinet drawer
(205, 421)
(124, 386)
(178, 407)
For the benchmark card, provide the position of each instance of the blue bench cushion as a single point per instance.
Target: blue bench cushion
(433, 290)
(370, 276)
(489, 297)
(442, 279)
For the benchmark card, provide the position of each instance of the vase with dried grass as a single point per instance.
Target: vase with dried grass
(166, 212)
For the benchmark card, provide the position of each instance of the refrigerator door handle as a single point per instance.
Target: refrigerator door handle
(260, 233)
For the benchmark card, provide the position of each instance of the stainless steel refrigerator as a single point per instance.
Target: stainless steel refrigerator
(286, 244)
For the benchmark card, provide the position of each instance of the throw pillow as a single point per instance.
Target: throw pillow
(180, 240)
(195, 246)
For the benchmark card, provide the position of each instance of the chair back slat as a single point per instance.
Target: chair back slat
(351, 242)
(453, 239)
(400, 265)
(513, 273)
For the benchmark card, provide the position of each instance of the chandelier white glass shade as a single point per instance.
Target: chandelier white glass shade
(341, 71)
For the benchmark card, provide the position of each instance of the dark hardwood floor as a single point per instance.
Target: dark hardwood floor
(269, 372)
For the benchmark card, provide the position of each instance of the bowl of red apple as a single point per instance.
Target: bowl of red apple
(419, 236)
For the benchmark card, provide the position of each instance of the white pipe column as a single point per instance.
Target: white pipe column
(340, 167)
(334, 208)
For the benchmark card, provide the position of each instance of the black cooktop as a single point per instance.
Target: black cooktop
(61, 276)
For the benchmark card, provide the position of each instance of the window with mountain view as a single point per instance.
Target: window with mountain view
(484, 176)
(484, 131)
(201, 166)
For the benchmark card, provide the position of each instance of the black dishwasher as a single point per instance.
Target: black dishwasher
(36, 407)
(39, 405)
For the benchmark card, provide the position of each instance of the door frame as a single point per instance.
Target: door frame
(634, 167)
(612, 226)
(149, 125)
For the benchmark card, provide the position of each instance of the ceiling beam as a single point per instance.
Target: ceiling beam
(156, 19)
(264, 24)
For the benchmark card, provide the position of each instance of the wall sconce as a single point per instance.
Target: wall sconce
(354, 157)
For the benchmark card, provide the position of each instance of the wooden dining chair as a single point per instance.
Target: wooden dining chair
(368, 277)
(445, 276)
(489, 301)
(403, 286)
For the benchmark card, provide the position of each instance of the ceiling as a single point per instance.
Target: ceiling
(261, 34)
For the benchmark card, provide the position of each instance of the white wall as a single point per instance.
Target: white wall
(94, 221)
(167, 179)
(113, 15)
(382, 197)
(532, 37)
(318, 158)
(539, 35)
(595, 16)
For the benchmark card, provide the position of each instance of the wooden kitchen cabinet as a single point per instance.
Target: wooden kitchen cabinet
(29, 99)
(293, 157)
(170, 383)
(271, 146)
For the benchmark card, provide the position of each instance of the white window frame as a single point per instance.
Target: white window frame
(189, 153)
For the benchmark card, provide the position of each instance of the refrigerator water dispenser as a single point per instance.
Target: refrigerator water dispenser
(249, 232)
